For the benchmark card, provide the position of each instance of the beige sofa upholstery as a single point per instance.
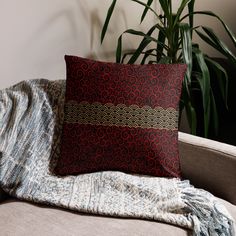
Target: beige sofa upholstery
(208, 164)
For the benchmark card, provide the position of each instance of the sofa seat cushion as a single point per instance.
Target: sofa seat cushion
(23, 218)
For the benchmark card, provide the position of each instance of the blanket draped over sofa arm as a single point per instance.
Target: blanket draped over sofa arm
(209, 164)
(31, 115)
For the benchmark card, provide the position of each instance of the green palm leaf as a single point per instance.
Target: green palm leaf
(144, 43)
(215, 119)
(182, 6)
(165, 7)
(190, 110)
(161, 38)
(209, 13)
(221, 76)
(108, 17)
(149, 8)
(190, 10)
(187, 48)
(137, 33)
(149, 3)
(205, 86)
(220, 44)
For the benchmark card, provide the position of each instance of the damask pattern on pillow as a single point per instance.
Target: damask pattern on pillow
(121, 117)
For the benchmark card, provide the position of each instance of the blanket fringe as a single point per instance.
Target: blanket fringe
(209, 217)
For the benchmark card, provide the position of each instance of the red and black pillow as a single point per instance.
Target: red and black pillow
(121, 117)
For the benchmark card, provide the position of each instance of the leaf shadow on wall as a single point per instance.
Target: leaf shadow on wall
(95, 24)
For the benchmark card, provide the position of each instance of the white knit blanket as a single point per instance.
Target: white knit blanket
(31, 116)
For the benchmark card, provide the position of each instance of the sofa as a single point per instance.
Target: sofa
(208, 164)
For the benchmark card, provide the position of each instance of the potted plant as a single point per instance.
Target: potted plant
(170, 40)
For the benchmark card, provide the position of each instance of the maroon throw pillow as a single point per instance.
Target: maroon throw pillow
(121, 117)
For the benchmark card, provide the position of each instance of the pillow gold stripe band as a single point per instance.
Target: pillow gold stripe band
(121, 115)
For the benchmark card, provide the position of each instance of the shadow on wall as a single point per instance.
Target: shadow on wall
(75, 27)
(95, 19)
(48, 39)
(76, 30)
(47, 25)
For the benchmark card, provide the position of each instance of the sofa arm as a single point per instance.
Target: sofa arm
(209, 165)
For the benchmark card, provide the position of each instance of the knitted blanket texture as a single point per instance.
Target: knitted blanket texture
(31, 117)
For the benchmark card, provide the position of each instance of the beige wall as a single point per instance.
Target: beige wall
(35, 34)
